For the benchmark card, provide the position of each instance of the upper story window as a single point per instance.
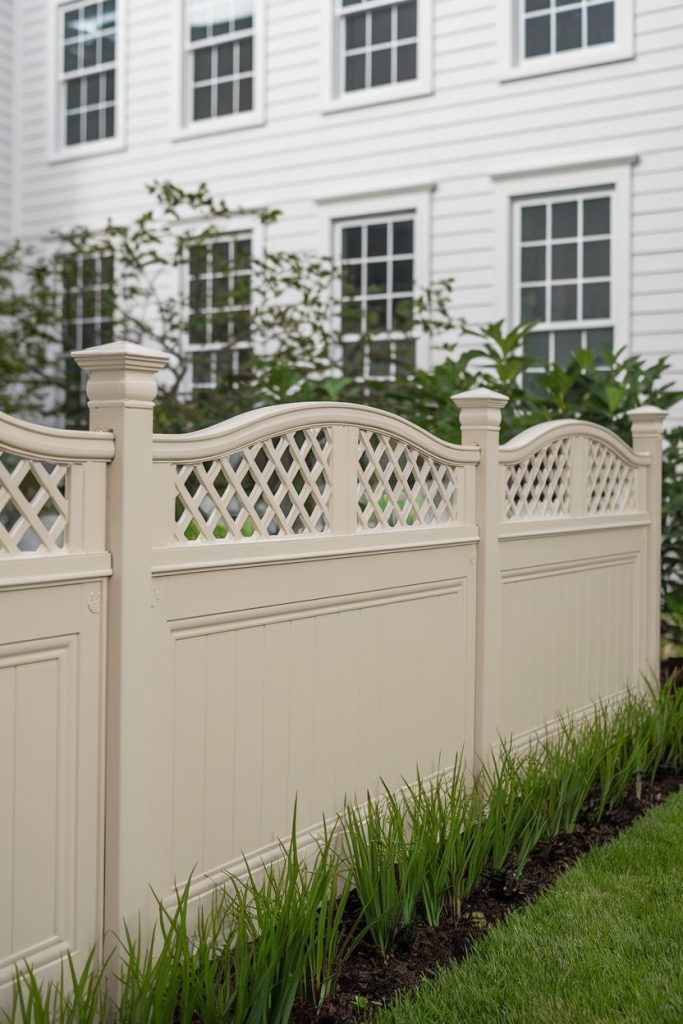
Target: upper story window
(378, 269)
(564, 274)
(88, 72)
(220, 57)
(220, 300)
(553, 26)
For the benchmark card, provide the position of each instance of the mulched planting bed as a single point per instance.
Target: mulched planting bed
(368, 980)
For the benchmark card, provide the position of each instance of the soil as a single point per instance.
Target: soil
(368, 980)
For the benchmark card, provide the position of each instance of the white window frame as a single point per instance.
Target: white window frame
(240, 224)
(58, 151)
(414, 200)
(514, 65)
(423, 85)
(182, 127)
(613, 174)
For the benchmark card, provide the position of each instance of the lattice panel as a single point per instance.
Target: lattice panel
(278, 487)
(539, 487)
(611, 482)
(34, 509)
(399, 486)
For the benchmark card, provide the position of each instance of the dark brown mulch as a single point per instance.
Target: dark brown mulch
(367, 980)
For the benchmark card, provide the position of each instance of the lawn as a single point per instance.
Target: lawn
(604, 944)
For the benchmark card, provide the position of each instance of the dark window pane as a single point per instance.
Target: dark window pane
(242, 252)
(351, 318)
(108, 19)
(89, 53)
(353, 359)
(224, 99)
(596, 259)
(564, 220)
(403, 236)
(563, 302)
(566, 343)
(351, 241)
(220, 28)
(533, 223)
(243, 23)
(71, 24)
(600, 24)
(108, 49)
(533, 383)
(92, 91)
(110, 86)
(596, 301)
(381, 25)
(197, 260)
(380, 358)
(242, 290)
(537, 5)
(92, 125)
(109, 116)
(201, 367)
(202, 64)
(351, 278)
(355, 31)
(220, 292)
(220, 253)
(407, 20)
(198, 30)
(89, 307)
(241, 325)
(568, 29)
(198, 294)
(246, 55)
(402, 314)
(106, 332)
(88, 335)
(533, 304)
(355, 72)
(377, 315)
(381, 67)
(197, 329)
(536, 346)
(107, 269)
(564, 261)
(71, 57)
(403, 275)
(596, 217)
(537, 36)
(90, 275)
(73, 94)
(406, 67)
(599, 340)
(377, 240)
(225, 65)
(202, 103)
(405, 357)
(246, 98)
(533, 263)
(377, 277)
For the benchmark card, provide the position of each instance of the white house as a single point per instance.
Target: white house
(530, 149)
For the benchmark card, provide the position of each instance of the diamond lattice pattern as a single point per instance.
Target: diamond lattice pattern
(34, 510)
(611, 484)
(277, 487)
(538, 487)
(399, 486)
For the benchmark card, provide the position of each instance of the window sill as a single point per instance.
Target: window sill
(87, 150)
(219, 125)
(376, 97)
(536, 67)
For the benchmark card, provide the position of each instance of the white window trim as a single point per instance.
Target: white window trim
(616, 174)
(423, 85)
(181, 127)
(512, 66)
(242, 223)
(58, 152)
(415, 199)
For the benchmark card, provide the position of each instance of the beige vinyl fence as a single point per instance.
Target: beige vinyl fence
(195, 629)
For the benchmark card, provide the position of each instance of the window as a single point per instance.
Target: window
(219, 48)
(88, 298)
(220, 296)
(378, 43)
(88, 72)
(553, 26)
(378, 271)
(565, 274)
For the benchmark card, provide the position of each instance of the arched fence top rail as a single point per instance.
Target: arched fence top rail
(36, 441)
(253, 427)
(531, 440)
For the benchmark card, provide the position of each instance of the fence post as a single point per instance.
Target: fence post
(646, 430)
(480, 416)
(121, 389)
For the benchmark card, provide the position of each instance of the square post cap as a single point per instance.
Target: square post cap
(480, 407)
(647, 416)
(121, 374)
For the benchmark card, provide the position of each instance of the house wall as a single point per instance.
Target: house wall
(6, 97)
(471, 127)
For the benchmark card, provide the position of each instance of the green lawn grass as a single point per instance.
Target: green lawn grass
(604, 944)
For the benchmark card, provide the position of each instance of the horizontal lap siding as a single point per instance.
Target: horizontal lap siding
(472, 124)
